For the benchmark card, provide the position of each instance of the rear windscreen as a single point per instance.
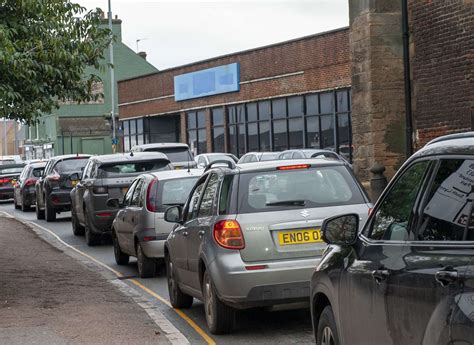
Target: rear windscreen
(11, 170)
(299, 188)
(269, 157)
(174, 154)
(176, 191)
(71, 165)
(214, 158)
(37, 172)
(7, 161)
(131, 168)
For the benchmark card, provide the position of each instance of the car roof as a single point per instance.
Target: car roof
(265, 165)
(174, 174)
(215, 154)
(37, 164)
(460, 143)
(161, 145)
(62, 157)
(127, 157)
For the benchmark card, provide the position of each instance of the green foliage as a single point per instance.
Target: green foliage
(45, 46)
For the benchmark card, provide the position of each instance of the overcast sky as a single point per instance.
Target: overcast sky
(177, 32)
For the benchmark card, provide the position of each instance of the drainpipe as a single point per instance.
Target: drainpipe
(406, 65)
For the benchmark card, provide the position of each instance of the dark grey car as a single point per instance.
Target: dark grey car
(107, 177)
(249, 235)
(178, 153)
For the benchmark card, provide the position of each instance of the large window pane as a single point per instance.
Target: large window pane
(140, 139)
(133, 127)
(327, 132)
(264, 135)
(202, 148)
(327, 104)
(295, 129)
(217, 116)
(253, 136)
(264, 110)
(126, 143)
(139, 126)
(233, 140)
(344, 135)
(279, 108)
(191, 120)
(218, 139)
(295, 106)
(192, 141)
(241, 138)
(240, 113)
(231, 111)
(342, 101)
(312, 132)
(312, 105)
(201, 119)
(126, 128)
(280, 138)
(252, 112)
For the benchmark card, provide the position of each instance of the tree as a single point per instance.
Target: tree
(45, 46)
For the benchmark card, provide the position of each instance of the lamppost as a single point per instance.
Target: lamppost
(112, 80)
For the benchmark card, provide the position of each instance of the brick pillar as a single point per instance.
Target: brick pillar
(183, 128)
(378, 109)
(208, 129)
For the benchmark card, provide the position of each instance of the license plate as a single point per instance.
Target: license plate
(299, 237)
(74, 183)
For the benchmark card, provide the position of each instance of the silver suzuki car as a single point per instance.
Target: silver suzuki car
(249, 235)
(139, 229)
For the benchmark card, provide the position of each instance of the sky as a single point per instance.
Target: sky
(176, 32)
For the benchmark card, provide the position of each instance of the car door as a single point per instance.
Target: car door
(380, 252)
(79, 192)
(40, 184)
(201, 228)
(120, 225)
(130, 220)
(181, 232)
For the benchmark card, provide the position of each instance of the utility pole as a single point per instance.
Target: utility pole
(112, 80)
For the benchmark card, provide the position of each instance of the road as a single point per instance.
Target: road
(252, 326)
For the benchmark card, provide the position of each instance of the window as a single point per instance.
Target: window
(176, 191)
(128, 196)
(197, 138)
(237, 129)
(224, 199)
(448, 209)
(280, 135)
(131, 168)
(194, 201)
(205, 209)
(137, 193)
(392, 219)
(218, 130)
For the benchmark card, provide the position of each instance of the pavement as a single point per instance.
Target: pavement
(48, 297)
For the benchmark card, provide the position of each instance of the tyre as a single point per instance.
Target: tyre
(327, 330)
(220, 317)
(77, 229)
(120, 257)
(17, 207)
(91, 238)
(178, 299)
(49, 211)
(39, 212)
(146, 266)
(24, 207)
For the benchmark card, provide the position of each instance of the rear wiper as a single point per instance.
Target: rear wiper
(287, 203)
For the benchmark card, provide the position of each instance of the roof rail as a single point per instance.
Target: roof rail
(230, 164)
(451, 136)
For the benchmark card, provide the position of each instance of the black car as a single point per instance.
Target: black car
(25, 194)
(8, 176)
(408, 276)
(107, 177)
(54, 187)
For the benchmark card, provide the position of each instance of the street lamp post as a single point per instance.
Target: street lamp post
(112, 80)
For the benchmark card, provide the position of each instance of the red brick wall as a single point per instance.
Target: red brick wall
(324, 58)
(442, 56)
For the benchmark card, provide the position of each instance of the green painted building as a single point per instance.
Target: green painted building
(86, 128)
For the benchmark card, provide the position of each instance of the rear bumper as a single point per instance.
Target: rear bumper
(281, 282)
(29, 198)
(6, 193)
(102, 220)
(60, 199)
(152, 248)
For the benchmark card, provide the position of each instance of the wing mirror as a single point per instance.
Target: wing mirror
(114, 203)
(341, 230)
(173, 214)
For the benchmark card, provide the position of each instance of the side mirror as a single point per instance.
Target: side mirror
(74, 177)
(173, 214)
(113, 203)
(341, 230)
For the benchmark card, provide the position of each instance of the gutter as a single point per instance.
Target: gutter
(407, 81)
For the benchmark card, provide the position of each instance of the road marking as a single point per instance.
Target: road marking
(186, 318)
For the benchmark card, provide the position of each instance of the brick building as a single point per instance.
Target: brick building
(287, 95)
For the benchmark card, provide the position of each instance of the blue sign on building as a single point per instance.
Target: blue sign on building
(207, 82)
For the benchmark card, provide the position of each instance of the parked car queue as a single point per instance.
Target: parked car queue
(238, 236)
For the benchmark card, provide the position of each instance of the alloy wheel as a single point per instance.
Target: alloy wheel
(328, 337)
(209, 301)
(171, 282)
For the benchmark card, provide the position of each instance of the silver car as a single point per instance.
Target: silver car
(178, 153)
(204, 159)
(139, 229)
(249, 235)
(251, 157)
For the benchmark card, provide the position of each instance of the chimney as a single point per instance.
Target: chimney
(142, 54)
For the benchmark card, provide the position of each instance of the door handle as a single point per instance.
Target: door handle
(380, 275)
(185, 233)
(446, 277)
(201, 233)
(133, 219)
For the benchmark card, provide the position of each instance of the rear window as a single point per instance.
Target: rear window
(11, 170)
(269, 156)
(71, 165)
(176, 191)
(214, 158)
(276, 190)
(175, 154)
(37, 172)
(325, 155)
(7, 161)
(128, 168)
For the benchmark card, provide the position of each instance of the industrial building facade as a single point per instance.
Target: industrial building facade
(294, 94)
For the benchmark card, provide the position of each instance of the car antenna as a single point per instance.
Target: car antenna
(131, 153)
(189, 160)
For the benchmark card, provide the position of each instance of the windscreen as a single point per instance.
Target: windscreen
(269, 156)
(214, 158)
(132, 168)
(71, 165)
(176, 191)
(175, 154)
(276, 190)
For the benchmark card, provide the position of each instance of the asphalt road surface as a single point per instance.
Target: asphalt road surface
(252, 327)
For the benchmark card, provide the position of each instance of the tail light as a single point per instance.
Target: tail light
(54, 176)
(151, 195)
(100, 190)
(228, 234)
(5, 180)
(293, 167)
(30, 182)
(103, 214)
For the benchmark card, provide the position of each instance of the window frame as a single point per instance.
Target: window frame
(218, 126)
(185, 212)
(213, 205)
(197, 129)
